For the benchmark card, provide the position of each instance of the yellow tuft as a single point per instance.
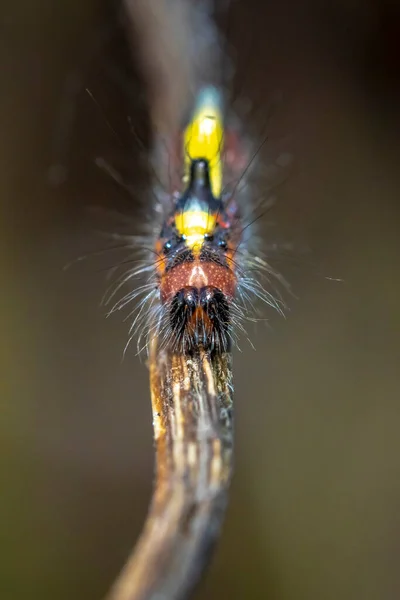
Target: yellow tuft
(204, 137)
(194, 225)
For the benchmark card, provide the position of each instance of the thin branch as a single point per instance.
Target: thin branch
(192, 419)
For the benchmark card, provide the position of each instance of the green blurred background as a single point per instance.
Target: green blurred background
(314, 509)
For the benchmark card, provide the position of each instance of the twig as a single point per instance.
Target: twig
(192, 418)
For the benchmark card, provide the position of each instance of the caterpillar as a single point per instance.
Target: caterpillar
(201, 288)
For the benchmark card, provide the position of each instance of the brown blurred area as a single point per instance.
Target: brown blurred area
(314, 509)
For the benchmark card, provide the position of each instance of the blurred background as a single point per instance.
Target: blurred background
(314, 509)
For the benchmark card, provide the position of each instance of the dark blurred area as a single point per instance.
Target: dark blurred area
(314, 509)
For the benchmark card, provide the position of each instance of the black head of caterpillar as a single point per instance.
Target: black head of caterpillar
(200, 317)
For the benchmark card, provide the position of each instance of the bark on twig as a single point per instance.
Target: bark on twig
(192, 418)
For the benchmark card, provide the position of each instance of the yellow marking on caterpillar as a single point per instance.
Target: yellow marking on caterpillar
(194, 225)
(204, 136)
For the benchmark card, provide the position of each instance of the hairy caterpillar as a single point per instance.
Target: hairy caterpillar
(207, 274)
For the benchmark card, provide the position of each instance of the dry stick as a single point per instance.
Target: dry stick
(192, 419)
